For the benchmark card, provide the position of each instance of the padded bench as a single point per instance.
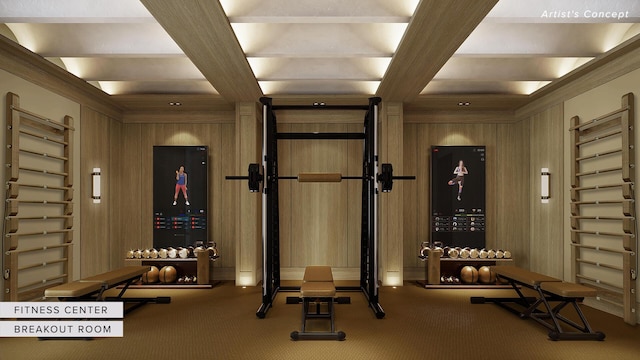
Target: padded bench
(317, 287)
(93, 288)
(548, 289)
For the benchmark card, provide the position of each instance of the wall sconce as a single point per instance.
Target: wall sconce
(95, 189)
(544, 185)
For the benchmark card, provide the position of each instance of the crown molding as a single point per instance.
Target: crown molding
(32, 67)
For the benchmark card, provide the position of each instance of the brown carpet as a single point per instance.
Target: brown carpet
(220, 323)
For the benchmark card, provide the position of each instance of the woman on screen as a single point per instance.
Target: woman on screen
(460, 172)
(181, 184)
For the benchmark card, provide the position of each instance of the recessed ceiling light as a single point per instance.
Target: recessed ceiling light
(175, 103)
(464, 103)
(319, 103)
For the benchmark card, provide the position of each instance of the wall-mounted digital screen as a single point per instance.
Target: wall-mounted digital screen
(179, 195)
(458, 195)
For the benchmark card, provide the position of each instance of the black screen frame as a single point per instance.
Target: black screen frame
(458, 223)
(180, 225)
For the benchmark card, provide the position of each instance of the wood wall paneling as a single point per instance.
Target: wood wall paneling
(319, 222)
(391, 231)
(112, 188)
(130, 181)
(546, 220)
(95, 249)
(136, 176)
(513, 189)
(418, 139)
(248, 260)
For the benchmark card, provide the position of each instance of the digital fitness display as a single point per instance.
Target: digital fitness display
(179, 195)
(458, 195)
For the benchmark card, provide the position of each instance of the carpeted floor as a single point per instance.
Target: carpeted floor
(420, 324)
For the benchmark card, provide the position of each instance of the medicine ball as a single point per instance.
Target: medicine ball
(486, 275)
(130, 254)
(151, 276)
(146, 254)
(454, 253)
(499, 254)
(154, 253)
(168, 274)
(474, 253)
(491, 254)
(469, 275)
(138, 254)
(162, 253)
(507, 254)
(183, 253)
(484, 254)
(172, 253)
(464, 253)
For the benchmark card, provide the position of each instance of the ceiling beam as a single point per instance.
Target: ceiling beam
(203, 32)
(435, 32)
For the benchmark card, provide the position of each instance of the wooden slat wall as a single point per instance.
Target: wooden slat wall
(96, 248)
(320, 222)
(248, 137)
(391, 213)
(514, 178)
(113, 189)
(546, 221)
(507, 184)
(124, 152)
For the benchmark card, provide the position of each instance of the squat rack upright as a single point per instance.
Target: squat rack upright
(370, 190)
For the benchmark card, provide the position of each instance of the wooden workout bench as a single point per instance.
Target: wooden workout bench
(317, 287)
(549, 289)
(93, 288)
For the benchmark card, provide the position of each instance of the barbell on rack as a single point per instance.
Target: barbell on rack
(385, 177)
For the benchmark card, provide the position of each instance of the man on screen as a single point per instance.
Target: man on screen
(181, 184)
(460, 172)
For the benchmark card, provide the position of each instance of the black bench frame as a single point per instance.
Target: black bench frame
(528, 307)
(318, 314)
(136, 301)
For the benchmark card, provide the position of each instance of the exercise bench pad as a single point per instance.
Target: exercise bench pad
(523, 276)
(318, 273)
(568, 290)
(115, 277)
(320, 289)
(74, 289)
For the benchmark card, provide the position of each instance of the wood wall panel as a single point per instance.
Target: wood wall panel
(113, 188)
(391, 213)
(512, 202)
(223, 201)
(135, 180)
(248, 260)
(320, 222)
(130, 180)
(418, 139)
(546, 220)
(95, 227)
(355, 150)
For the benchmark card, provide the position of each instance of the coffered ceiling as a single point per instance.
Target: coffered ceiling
(429, 53)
